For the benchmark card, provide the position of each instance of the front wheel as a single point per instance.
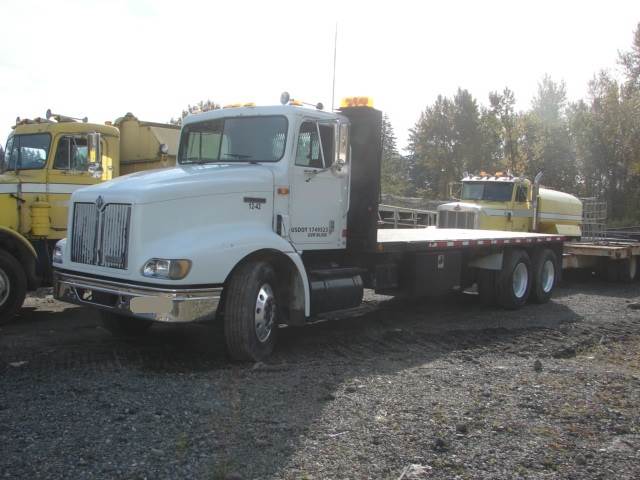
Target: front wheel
(13, 286)
(514, 280)
(122, 326)
(251, 312)
(545, 275)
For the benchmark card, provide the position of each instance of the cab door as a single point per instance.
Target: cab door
(521, 209)
(68, 172)
(319, 198)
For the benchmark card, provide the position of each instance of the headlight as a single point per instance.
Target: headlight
(166, 268)
(58, 251)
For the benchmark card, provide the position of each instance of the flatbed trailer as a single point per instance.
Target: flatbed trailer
(616, 260)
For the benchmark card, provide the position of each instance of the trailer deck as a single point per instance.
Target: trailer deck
(438, 238)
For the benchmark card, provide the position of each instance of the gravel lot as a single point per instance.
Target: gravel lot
(398, 389)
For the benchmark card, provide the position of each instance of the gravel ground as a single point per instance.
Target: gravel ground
(397, 389)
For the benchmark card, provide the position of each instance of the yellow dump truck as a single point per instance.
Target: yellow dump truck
(47, 159)
(505, 202)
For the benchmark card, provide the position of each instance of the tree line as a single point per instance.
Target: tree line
(590, 148)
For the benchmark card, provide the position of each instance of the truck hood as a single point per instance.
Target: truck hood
(459, 206)
(183, 181)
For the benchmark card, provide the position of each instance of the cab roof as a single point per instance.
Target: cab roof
(64, 127)
(290, 111)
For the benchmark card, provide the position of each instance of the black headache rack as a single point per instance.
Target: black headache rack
(366, 159)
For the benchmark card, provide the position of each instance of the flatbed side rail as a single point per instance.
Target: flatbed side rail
(390, 216)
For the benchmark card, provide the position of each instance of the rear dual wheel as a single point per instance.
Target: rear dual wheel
(545, 275)
(520, 279)
(513, 282)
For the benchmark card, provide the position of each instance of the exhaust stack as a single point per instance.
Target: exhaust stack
(535, 200)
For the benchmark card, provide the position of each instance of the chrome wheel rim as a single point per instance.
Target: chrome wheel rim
(265, 313)
(5, 287)
(520, 280)
(548, 276)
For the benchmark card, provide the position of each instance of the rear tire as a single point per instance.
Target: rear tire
(251, 312)
(514, 280)
(123, 326)
(13, 286)
(545, 275)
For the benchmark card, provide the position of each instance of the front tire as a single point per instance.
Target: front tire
(545, 275)
(123, 326)
(13, 286)
(514, 280)
(251, 312)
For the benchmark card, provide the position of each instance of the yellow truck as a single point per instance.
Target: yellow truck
(45, 161)
(505, 202)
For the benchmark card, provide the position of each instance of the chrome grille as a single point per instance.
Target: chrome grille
(100, 236)
(456, 219)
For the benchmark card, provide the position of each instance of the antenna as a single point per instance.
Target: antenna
(335, 54)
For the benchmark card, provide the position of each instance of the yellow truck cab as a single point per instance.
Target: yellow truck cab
(45, 161)
(505, 202)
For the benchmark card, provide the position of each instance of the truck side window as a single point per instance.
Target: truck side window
(308, 153)
(326, 137)
(521, 193)
(72, 154)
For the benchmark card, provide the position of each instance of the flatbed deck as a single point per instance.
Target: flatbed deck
(438, 238)
(611, 249)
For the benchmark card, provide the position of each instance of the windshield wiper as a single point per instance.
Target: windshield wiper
(239, 156)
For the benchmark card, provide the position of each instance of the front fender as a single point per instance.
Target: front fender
(217, 249)
(19, 239)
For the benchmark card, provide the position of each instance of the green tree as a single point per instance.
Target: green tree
(201, 106)
(394, 169)
(546, 137)
(503, 108)
(431, 148)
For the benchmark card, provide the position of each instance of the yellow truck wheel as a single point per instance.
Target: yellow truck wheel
(13, 286)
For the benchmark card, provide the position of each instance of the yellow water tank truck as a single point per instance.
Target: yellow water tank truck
(505, 202)
(47, 159)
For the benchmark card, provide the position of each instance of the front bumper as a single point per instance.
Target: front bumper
(151, 303)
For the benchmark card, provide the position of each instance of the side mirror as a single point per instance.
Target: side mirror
(95, 169)
(341, 131)
(94, 146)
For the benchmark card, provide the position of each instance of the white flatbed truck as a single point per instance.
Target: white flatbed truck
(271, 217)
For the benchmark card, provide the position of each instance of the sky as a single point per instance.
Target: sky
(102, 59)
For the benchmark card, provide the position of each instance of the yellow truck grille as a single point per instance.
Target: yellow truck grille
(456, 219)
(100, 236)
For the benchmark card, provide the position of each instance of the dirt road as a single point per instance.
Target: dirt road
(398, 389)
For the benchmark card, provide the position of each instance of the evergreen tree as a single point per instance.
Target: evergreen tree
(394, 168)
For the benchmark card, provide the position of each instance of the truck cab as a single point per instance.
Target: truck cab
(506, 202)
(496, 202)
(45, 161)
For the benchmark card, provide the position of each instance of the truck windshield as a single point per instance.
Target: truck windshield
(488, 191)
(26, 152)
(238, 139)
